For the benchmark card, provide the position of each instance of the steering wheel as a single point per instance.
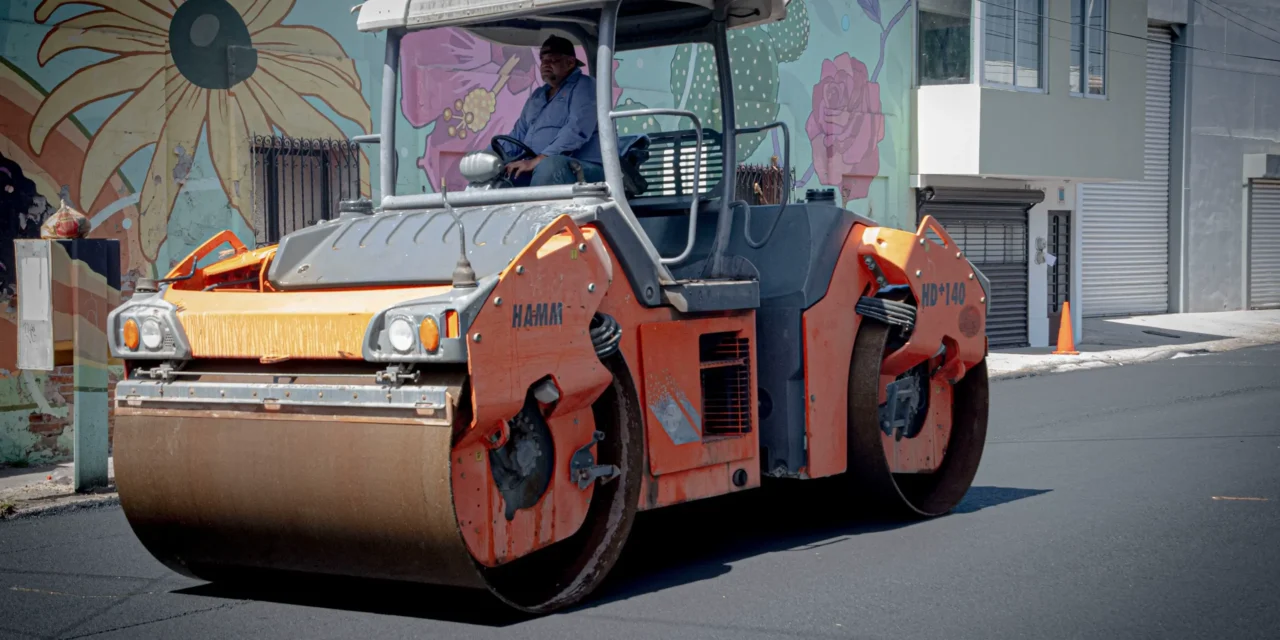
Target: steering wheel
(525, 151)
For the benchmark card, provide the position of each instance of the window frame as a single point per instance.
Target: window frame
(917, 78)
(979, 51)
(1083, 60)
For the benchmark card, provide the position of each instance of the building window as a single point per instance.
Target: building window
(1013, 43)
(945, 39)
(1089, 46)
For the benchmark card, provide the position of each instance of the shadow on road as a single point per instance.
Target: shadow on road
(698, 541)
(670, 547)
(465, 606)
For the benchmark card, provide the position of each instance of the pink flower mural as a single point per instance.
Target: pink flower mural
(846, 127)
(471, 89)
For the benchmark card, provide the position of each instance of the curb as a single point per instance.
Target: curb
(59, 505)
(1122, 357)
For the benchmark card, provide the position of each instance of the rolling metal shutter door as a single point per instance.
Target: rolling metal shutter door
(991, 229)
(1125, 226)
(1264, 245)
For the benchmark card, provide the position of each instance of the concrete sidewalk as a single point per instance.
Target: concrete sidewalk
(1120, 341)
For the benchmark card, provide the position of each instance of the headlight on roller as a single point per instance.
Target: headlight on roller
(152, 334)
(400, 332)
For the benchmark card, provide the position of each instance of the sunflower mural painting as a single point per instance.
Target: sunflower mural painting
(226, 69)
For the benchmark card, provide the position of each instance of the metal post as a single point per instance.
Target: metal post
(604, 100)
(728, 150)
(387, 139)
(92, 299)
(609, 141)
(66, 289)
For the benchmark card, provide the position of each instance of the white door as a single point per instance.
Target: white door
(1124, 226)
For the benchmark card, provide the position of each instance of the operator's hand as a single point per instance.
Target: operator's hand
(519, 167)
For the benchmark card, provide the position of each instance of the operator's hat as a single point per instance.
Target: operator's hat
(562, 46)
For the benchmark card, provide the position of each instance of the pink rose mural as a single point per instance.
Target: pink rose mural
(471, 89)
(846, 127)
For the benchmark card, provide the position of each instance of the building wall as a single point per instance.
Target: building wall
(141, 115)
(1232, 107)
(1055, 134)
(971, 129)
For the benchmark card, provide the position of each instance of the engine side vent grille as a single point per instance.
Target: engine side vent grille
(725, 361)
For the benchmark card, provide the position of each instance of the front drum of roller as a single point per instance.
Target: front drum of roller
(911, 495)
(216, 496)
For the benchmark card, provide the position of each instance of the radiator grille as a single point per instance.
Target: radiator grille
(725, 360)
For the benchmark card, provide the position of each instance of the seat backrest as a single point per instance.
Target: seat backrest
(668, 170)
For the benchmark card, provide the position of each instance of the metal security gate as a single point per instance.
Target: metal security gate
(990, 225)
(1125, 226)
(1264, 245)
(300, 181)
(1059, 273)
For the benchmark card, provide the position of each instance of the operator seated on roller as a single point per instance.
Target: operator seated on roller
(559, 124)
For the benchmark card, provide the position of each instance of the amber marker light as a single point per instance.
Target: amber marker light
(451, 324)
(429, 334)
(131, 339)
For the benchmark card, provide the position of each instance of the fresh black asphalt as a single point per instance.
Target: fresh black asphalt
(1129, 502)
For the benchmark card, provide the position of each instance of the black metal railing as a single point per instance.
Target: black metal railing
(300, 181)
(761, 184)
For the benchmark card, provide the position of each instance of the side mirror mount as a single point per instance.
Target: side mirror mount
(480, 167)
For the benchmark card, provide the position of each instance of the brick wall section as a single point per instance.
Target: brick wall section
(49, 427)
(60, 389)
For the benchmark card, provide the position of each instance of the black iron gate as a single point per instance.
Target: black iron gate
(300, 181)
(1059, 273)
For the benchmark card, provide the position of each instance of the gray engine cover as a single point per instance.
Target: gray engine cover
(411, 247)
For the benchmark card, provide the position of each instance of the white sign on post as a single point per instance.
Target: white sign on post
(35, 305)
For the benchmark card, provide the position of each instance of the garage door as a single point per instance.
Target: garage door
(991, 228)
(1125, 226)
(1264, 245)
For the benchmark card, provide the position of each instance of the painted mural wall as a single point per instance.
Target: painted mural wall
(139, 113)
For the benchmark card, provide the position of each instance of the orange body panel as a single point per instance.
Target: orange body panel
(830, 327)
(242, 260)
(672, 396)
(535, 324)
(320, 325)
(694, 484)
(950, 298)
(950, 313)
(493, 540)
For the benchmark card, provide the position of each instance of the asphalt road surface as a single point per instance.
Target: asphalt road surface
(1100, 511)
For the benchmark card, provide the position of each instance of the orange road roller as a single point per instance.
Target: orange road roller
(481, 388)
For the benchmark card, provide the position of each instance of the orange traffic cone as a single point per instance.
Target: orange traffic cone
(1066, 337)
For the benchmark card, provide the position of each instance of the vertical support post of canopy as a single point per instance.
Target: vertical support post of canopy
(388, 159)
(729, 146)
(609, 140)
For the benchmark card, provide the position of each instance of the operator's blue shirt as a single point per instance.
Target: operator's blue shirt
(564, 126)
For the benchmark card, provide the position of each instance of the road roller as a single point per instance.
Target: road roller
(481, 387)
